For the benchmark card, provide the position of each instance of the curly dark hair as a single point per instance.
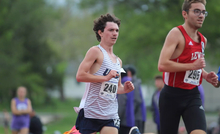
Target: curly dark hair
(100, 23)
(187, 4)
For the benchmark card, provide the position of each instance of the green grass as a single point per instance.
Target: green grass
(66, 111)
(62, 125)
(1, 129)
(63, 109)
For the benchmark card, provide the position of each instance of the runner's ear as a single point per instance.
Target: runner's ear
(100, 33)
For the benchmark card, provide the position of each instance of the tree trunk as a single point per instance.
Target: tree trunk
(62, 97)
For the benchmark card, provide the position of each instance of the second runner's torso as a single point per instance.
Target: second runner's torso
(192, 51)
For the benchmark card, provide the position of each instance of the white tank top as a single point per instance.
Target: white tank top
(99, 100)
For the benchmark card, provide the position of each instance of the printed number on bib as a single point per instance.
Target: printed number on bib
(193, 77)
(108, 90)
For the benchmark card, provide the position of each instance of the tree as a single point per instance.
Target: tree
(25, 53)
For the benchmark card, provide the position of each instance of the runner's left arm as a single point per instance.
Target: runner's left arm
(29, 108)
(127, 87)
(210, 77)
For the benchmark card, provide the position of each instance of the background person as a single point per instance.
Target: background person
(20, 107)
(132, 109)
(202, 94)
(6, 120)
(159, 84)
(126, 107)
(36, 126)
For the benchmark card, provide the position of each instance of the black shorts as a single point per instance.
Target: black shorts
(88, 125)
(177, 102)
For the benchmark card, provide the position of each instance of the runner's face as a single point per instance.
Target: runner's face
(110, 33)
(193, 19)
(21, 92)
(159, 83)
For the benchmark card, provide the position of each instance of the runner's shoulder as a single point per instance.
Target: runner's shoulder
(175, 31)
(174, 36)
(94, 50)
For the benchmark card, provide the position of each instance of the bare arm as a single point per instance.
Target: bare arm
(120, 87)
(211, 77)
(204, 74)
(128, 85)
(83, 74)
(165, 64)
(14, 109)
(20, 112)
(29, 108)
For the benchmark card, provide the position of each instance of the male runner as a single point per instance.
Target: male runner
(182, 62)
(101, 70)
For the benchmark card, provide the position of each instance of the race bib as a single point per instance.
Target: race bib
(193, 77)
(108, 90)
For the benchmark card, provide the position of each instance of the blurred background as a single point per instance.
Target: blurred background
(42, 43)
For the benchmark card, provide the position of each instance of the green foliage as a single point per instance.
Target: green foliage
(25, 53)
(211, 31)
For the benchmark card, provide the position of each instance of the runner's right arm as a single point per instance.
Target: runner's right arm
(165, 64)
(14, 109)
(83, 74)
(20, 112)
